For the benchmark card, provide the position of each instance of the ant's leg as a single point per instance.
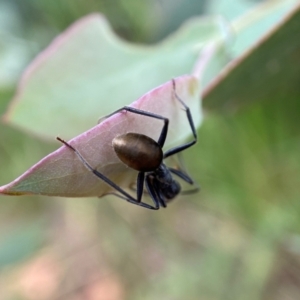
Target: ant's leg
(164, 131)
(186, 178)
(191, 122)
(161, 197)
(181, 171)
(182, 175)
(179, 168)
(152, 191)
(140, 186)
(125, 195)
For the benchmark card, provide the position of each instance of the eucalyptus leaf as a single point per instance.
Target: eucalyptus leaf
(61, 173)
(88, 72)
(270, 70)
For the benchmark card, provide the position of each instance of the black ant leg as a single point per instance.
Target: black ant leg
(161, 197)
(182, 175)
(140, 186)
(126, 197)
(139, 189)
(152, 191)
(176, 150)
(191, 122)
(164, 131)
(180, 170)
(186, 178)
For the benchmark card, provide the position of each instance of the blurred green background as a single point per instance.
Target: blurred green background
(237, 239)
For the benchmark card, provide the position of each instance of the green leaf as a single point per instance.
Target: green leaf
(271, 70)
(62, 174)
(88, 72)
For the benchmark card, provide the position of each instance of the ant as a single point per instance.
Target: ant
(145, 155)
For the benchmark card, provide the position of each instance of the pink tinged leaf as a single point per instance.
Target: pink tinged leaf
(61, 173)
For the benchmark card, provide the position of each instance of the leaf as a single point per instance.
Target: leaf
(88, 72)
(62, 174)
(269, 70)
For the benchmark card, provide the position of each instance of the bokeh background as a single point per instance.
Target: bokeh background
(236, 239)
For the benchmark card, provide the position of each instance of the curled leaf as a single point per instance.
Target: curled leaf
(62, 174)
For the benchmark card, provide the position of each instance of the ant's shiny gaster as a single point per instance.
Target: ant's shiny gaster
(145, 155)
